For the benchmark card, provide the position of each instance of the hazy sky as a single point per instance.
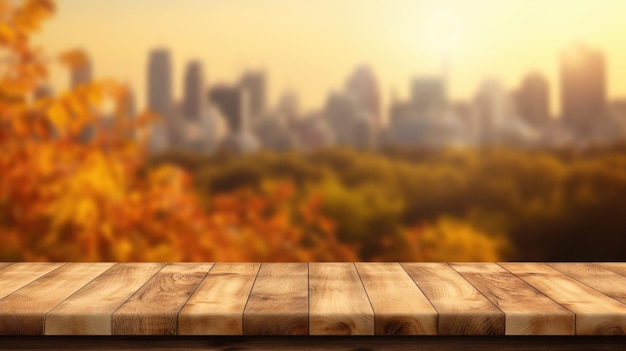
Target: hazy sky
(311, 46)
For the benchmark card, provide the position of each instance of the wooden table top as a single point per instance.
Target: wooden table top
(312, 299)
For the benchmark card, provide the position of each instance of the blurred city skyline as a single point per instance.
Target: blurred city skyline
(311, 48)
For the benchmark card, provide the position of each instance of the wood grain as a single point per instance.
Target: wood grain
(153, 309)
(23, 312)
(89, 310)
(400, 307)
(279, 300)
(596, 313)
(339, 303)
(216, 307)
(528, 312)
(463, 310)
(20, 274)
(604, 280)
(619, 267)
(5, 264)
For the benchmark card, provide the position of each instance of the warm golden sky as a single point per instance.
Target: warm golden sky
(313, 45)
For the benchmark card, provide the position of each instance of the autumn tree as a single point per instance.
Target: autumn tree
(67, 197)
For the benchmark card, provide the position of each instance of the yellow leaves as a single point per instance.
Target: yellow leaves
(451, 240)
(7, 34)
(28, 17)
(58, 116)
(86, 213)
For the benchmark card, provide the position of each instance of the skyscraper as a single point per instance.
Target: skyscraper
(428, 95)
(160, 98)
(240, 138)
(227, 99)
(363, 85)
(255, 84)
(160, 83)
(583, 87)
(193, 99)
(532, 100)
(82, 72)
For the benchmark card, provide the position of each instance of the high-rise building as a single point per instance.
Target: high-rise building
(341, 112)
(428, 95)
(363, 85)
(193, 98)
(227, 99)
(255, 84)
(82, 72)
(532, 100)
(160, 83)
(496, 121)
(583, 87)
(234, 103)
(160, 98)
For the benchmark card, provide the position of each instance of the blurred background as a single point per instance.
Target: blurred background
(278, 130)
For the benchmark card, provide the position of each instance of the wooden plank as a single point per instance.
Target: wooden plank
(604, 280)
(619, 267)
(339, 303)
(153, 309)
(400, 307)
(216, 307)
(5, 264)
(89, 310)
(463, 310)
(23, 312)
(279, 301)
(596, 313)
(528, 312)
(18, 275)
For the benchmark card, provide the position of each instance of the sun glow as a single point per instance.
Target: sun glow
(445, 33)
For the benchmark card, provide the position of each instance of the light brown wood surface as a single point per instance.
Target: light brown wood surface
(596, 313)
(312, 298)
(153, 309)
(463, 310)
(400, 307)
(79, 315)
(23, 312)
(216, 307)
(18, 275)
(5, 264)
(604, 280)
(279, 301)
(528, 312)
(619, 267)
(339, 303)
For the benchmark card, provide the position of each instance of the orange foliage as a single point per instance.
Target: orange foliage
(66, 198)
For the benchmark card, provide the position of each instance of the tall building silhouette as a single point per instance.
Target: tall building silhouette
(255, 84)
(583, 87)
(234, 101)
(428, 95)
(160, 98)
(363, 85)
(227, 99)
(82, 73)
(533, 101)
(496, 121)
(193, 98)
(160, 83)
